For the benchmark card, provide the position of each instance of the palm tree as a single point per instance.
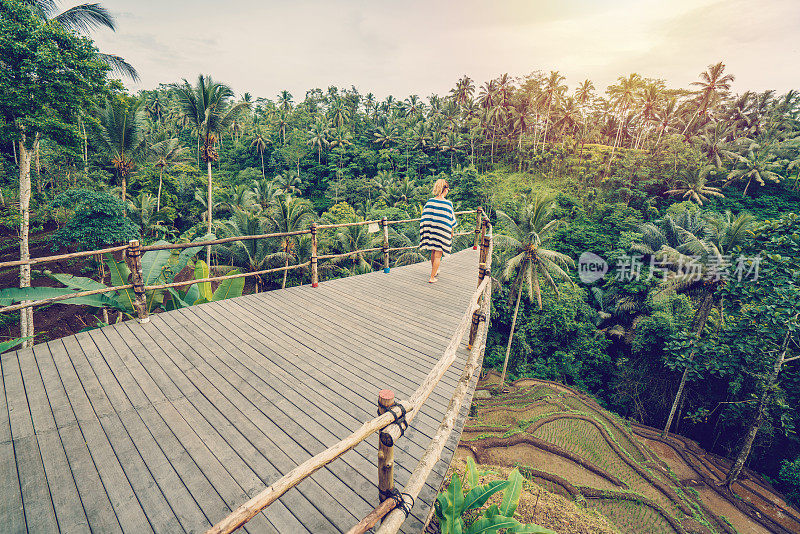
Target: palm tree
(164, 154)
(141, 210)
(694, 187)
(122, 125)
(713, 85)
(207, 106)
(623, 96)
(264, 192)
(83, 18)
(696, 265)
(554, 89)
(713, 143)
(317, 137)
(528, 262)
(260, 142)
(285, 100)
(355, 239)
(289, 214)
(756, 164)
(250, 254)
(288, 183)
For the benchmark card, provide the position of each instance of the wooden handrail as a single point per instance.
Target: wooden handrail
(135, 251)
(59, 257)
(51, 300)
(412, 405)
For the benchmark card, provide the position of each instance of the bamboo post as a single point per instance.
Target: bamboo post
(385, 225)
(314, 259)
(477, 317)
(485, 239)
(385, 452)
(478, 221)
(133, 257)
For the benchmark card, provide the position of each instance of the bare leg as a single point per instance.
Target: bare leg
(436, 258)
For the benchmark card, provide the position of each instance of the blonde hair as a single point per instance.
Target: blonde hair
(440, 186)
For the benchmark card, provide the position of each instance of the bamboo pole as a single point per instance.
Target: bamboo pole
(433, 452)
(403, 248)
(174, 246)
(227, 277)
(385, 452)
(477, 317)
(59, 298)
(314, 260)
(267, 496)
(385, 245)
(478, 221)
(344, 225)
(393, 521)
(345, 254)
(484, 241)
(133, 257)
(373, 517)
(426, 388)
(403, 221)
(71, 255)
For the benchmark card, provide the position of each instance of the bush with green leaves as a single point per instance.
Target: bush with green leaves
(98, 220)
(452, 504)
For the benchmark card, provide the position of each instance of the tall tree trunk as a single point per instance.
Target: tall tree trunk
(26, 314)
(511, 337)
(36, 140)
(14, 148)
(210, 204)
(158, 197)
(285, 272)
(263, 174)
(700, 323)
(85, 150)
(758, 416)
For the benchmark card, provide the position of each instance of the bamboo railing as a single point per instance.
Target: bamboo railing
(393, 414)
(133, 251)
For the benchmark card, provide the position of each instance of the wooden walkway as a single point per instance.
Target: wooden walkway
(170, 425)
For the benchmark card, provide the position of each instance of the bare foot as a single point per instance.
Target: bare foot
(432, 281)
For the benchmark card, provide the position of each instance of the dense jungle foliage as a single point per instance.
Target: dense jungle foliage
(690, 195)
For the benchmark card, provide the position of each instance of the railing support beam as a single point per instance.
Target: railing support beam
(385, 228)
(385, 452)
(314, 258)
(478, 224)
(133, 258)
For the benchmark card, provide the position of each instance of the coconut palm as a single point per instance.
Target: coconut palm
(250, 254)
(693, 249)
(317, 137)
(83, 18)
(165, 154)
(713, 85)
(288, 183)
(208, 107)
(695, 186)
(528, 263)
(264, 192)
(260, 143)
(756, 164)
(289, 214)
(121, 133)
(355, 239)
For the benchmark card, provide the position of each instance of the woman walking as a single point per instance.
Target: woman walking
(436, 226)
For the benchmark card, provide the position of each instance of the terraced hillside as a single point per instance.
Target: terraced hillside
(564, 441)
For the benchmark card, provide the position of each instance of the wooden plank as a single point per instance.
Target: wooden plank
(147, 491)
(59, 403)
(41, 413)
(118, 369)
(143, 379)
(39, 513)
(12, 515)
(5, 422)
(18, 413)
(229, 413)
(63, 491)
(99, 405)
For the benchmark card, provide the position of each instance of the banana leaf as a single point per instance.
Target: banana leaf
(153, 263)
(11, 343)
(201, 271)
(229, 288)
(21, 294)
(119, 276)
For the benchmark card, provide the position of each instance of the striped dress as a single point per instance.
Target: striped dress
(436, 225)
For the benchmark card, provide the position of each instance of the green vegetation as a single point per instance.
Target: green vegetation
(672, 187)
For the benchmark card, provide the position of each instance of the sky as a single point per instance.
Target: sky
(423, 47)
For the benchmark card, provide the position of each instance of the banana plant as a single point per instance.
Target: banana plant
(451, 505)
(201, 292)
(11, 343)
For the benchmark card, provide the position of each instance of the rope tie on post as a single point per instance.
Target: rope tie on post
(385, 248)
(400, 501)
(399, 420)
(314, 259)
(477, 317)
(478, 224)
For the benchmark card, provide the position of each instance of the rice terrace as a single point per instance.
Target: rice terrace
(511, 267)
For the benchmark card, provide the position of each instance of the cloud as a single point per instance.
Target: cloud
(424, 47)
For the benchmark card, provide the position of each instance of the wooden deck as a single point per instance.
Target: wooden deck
(170, 425)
